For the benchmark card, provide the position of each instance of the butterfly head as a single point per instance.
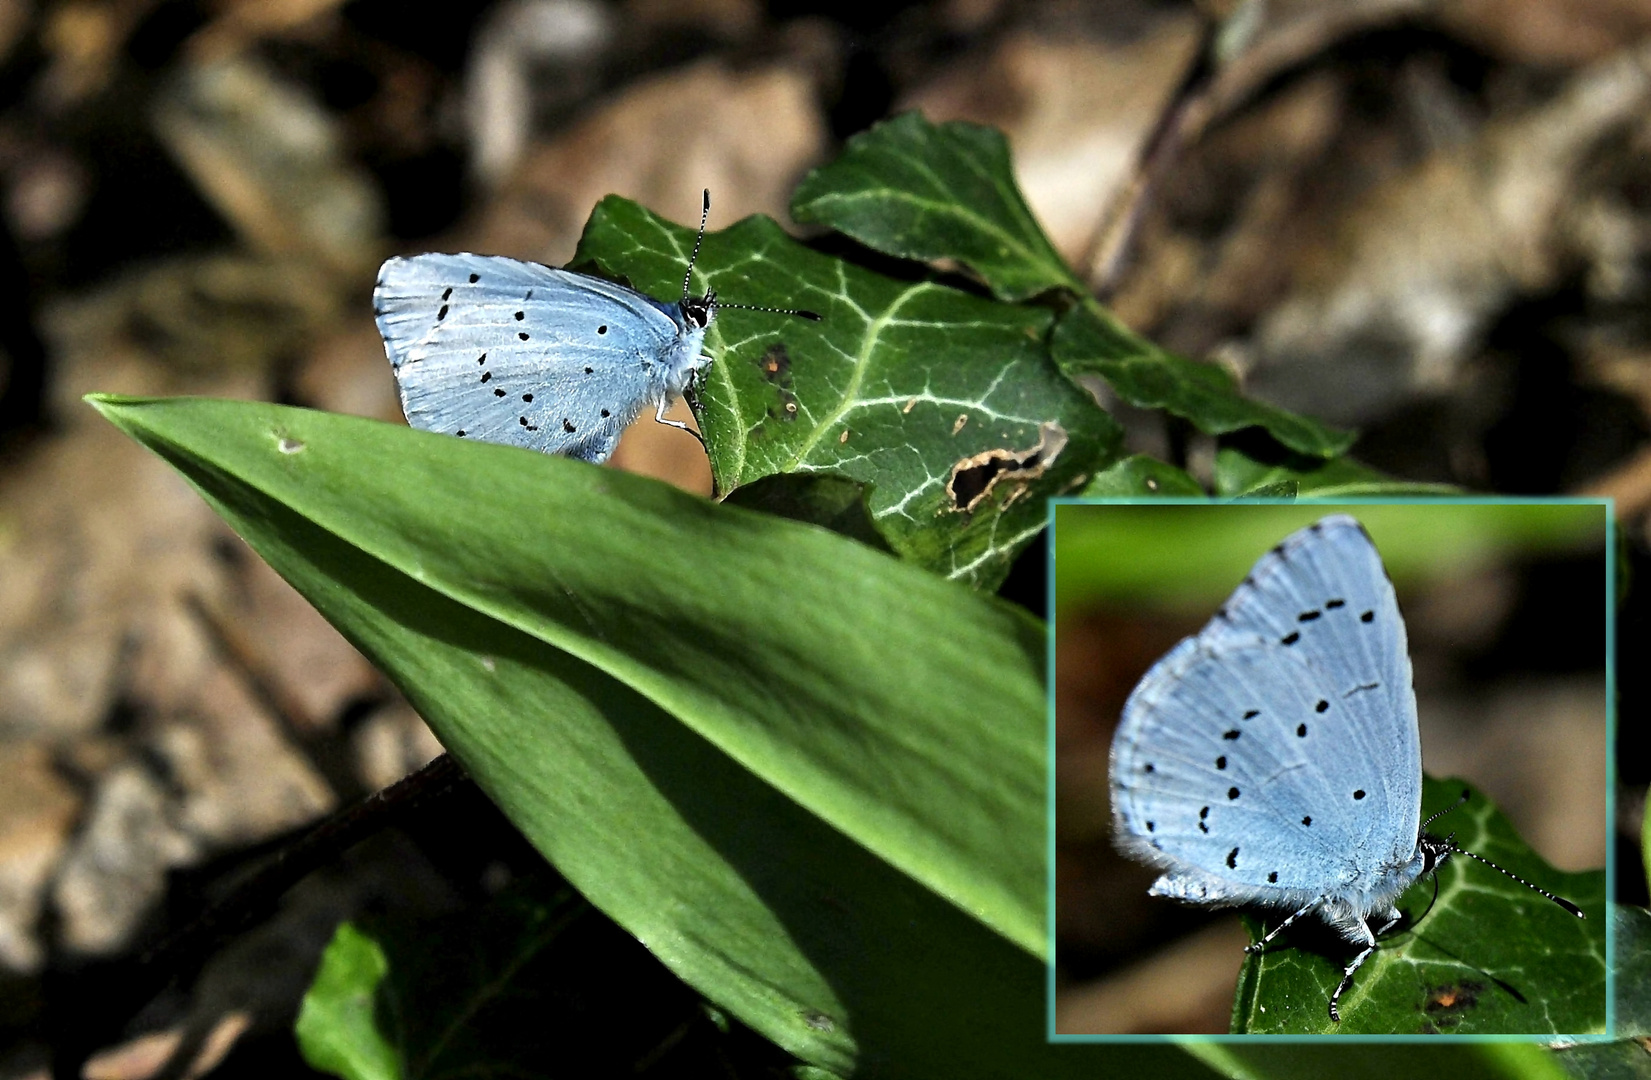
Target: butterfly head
(698, 311)
(1435, 851)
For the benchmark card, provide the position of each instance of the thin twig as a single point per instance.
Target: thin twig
(1209, 92)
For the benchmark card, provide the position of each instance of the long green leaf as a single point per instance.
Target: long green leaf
(1246, 1060)
(807, 776)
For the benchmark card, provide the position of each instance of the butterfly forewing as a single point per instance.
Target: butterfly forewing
(508, 351)
(1275, 755)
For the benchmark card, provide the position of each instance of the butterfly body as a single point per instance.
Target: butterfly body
(507, 351)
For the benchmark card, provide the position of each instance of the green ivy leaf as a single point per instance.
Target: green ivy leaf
(1090, 341)
(807, 776)
(1491, 957)
(1632, 929)
(337, 1028)
(1140, 475)
(1253, 469)
(945, 404)
(1624, 1059)
(925, 191)
(517, 986)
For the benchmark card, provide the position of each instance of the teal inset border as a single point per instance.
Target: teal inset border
(1610, 604)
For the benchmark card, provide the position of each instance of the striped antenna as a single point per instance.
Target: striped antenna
(704, 215)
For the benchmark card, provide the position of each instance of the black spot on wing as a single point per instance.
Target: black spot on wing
(1367, 616)
(1291, 638)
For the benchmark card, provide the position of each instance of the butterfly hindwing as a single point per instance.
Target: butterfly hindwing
(1275, 756)
(508, 351)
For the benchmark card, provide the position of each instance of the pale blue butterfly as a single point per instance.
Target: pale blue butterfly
(1274, 759)
(490, 348)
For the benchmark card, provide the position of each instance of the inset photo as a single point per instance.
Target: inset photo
(1330, 769)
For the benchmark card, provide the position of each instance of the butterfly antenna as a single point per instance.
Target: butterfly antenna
(1446, 810)
(704, 215)
(799, 312)
(1566, 904)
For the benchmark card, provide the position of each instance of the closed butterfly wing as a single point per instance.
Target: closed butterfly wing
(505, 351)
(1275, 756)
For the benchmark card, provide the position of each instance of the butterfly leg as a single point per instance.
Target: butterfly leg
(659, 416)
(1256, 947)
(1358, 962)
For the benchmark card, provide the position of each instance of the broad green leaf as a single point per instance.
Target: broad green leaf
(945, 404)
(1091, 341)
(1251, 470)
(1138, 475)
(926, 191)
(1491, 957)
(1247, 1060)
(807, 776)
(337, 1030)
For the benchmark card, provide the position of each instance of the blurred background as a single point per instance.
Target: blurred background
(1505, 608)
(1429, 219)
